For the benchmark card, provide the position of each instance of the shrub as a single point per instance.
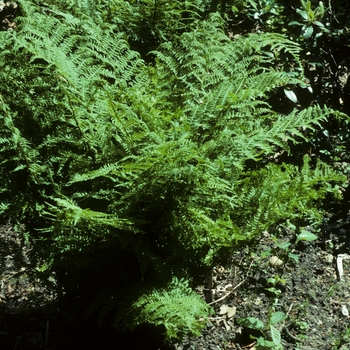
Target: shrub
(128, 176)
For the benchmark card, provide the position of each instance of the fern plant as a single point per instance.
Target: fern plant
(145, 23)
(110, 162)
(176, 307)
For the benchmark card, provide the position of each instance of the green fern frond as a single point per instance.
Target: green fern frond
(277, 193)
(71, 214)
(177, 307)
(110, 158)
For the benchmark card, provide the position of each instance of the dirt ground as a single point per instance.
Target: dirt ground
(305, 286)
(301, 280)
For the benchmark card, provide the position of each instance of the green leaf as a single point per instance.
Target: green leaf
(295, 23)
(291, 95)
(308, 6)
(275, 291)
(251, 322)
(275, 335)
(303, 14)
(264, 344)
(266, 253)
(303, 4)
(321, 7)
(282, 245)
(307, 31)
(276, 317)
(306, 236)
(295, 257)
(319, 24)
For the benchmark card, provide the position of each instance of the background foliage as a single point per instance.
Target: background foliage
(133, 174)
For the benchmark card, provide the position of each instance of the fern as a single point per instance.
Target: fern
(111, 162)
(200, 60)
(177, 308)
(286, 192)
(146, 23)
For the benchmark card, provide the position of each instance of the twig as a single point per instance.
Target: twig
(340, 259)
(231, 291)
(226, 295)
(249, 268)
(330, 9)
(238, 23)
(291, 335)
(285, 326)
(290, 308)
(216, 318)
(18, 341)
(238, 346)
(249, 346)
(46, 334)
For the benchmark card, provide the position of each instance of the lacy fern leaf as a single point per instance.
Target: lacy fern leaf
(112, 162)
(180, 310)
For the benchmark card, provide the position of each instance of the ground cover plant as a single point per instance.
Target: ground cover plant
(133, 175)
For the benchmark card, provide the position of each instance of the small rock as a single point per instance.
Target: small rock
(329, 258)
(275, 261)
(344, 310)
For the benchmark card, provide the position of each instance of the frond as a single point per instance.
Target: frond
(71, 214)
(177, 307)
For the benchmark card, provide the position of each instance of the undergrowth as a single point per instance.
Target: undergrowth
(127, 175)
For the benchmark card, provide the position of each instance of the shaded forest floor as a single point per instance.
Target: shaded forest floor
(309, 292)
(301, 281)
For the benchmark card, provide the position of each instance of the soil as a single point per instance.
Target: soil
(8, 13)
(301, 280)
(308, 291)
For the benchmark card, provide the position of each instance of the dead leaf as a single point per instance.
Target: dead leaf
(229, 310)
(228, 287)
(227, 327)
(275, 261)
(223, 309)
(220, 269)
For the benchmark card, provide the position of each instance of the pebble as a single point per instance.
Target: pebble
(344, 310)
(275, 261)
